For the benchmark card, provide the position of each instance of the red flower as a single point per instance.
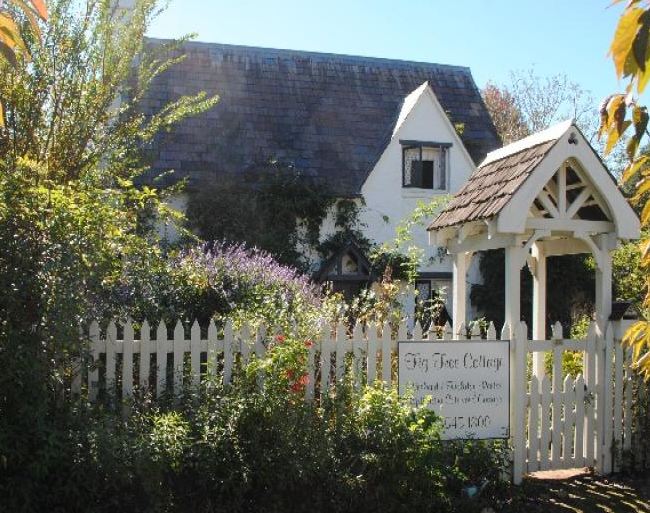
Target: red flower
(300, 384)
(279, 339)
(308, 344)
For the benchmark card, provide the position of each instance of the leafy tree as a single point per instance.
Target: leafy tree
(530, 103)
(12, 42)
(70, 217)
(544, 101)
(619, 112)
(506, 115)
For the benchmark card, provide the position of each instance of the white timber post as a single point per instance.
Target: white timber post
(409, 306)
(459, 285)
(603, 280)
(607, 402)
(603, 244)
(538, 271)
(518, 386)
(514, 261)
(515, 258)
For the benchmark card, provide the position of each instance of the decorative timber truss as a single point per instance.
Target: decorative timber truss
(546, 195)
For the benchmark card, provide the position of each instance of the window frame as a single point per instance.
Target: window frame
(442, 147)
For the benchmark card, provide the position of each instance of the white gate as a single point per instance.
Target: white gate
(557, 416)
(595, 419)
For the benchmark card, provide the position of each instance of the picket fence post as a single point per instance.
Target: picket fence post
(556, 403)
(607, 409)
(518, 387)
(590, 402)
(127, 360)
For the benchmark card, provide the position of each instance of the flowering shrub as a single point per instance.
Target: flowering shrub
(217, 281)
(284, 367)
(247, 285)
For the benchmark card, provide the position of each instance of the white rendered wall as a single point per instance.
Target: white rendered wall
(168, 231)
(387, 203)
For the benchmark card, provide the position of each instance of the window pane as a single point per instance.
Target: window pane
(411, 157)
(427, 174)
(425, 168)
(424, 290)
(433, 155)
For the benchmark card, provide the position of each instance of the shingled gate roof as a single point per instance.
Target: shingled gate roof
(491, 186)
(329, 115)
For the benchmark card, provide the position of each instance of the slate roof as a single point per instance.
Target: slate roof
(491, 185)
(329, 115)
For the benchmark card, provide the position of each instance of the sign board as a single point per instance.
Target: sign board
(467, 382)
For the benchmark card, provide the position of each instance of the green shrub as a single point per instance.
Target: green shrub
(257, 446)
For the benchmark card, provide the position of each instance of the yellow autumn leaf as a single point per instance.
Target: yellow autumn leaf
(626, 31)
(641, 188)
(631, 171)
(632, 333)
(31, 16)
(40, 7)
(615, 135)
(10, 31)
(645, 214)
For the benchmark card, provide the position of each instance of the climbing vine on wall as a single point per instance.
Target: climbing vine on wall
(278, 209)
(348, 227)
(274, 207)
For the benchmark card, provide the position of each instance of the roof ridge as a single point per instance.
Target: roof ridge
(287, 52)
(552, 133)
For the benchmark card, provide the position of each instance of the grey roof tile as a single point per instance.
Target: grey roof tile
(331, 115)
(490, 187)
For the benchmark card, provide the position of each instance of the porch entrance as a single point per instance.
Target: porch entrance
(546, 195)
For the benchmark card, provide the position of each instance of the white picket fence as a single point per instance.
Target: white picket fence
(556, 421)
(335, 354)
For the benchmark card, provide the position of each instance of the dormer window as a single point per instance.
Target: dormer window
(425, 165)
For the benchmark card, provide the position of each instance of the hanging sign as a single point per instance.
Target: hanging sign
(467, 383)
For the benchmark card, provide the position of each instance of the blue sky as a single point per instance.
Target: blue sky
(492, 37)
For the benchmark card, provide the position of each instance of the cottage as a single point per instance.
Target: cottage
(386, 133)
